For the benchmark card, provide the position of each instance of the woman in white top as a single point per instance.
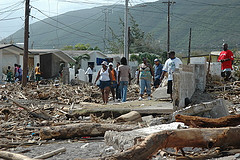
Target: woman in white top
(89, 72)
(105, 81)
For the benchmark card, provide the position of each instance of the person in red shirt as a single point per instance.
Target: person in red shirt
(226, 58)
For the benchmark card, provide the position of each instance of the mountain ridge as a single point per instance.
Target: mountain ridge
(212, 24)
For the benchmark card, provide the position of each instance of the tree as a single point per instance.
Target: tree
(139, 41)
(79, 58)
(81, 46)
(150, 57)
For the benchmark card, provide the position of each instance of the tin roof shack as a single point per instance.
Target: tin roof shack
(9, 55)
(51, 61)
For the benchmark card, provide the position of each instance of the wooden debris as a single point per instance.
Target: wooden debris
(195, 121)
(52, 153)
(132, 116)
(6, 112)
(13, 156)
(80, 130)
(194, 137)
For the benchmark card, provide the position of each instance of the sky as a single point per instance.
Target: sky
(12, 11)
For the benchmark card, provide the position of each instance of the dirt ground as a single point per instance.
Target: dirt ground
(74, 149)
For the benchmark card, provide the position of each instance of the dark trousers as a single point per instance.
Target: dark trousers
(90, 78)
(118, 92)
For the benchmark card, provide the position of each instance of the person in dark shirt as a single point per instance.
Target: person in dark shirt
(157, 72)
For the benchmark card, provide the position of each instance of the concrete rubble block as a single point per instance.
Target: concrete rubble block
(160, 93)
(213, 109)
(151, 121)
(125, 140)
(132, 116)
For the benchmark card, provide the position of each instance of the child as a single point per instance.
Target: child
(9, 74)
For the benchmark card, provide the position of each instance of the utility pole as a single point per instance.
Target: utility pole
(126, 54)
(168, 20)
(26, 36)
(189, 45)
(106, 12)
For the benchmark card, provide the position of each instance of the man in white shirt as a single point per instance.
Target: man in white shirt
(169, 67)
(89, 72)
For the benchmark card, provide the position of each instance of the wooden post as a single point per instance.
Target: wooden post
(26, 36)
(189, 46)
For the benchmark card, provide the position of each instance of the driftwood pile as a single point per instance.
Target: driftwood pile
(216, 140)
(26, 114)
(229, 91)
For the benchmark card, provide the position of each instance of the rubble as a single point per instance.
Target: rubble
(29, 115)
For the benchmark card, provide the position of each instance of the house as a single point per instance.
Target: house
(9, 55)
(96, 58)
(51, 61)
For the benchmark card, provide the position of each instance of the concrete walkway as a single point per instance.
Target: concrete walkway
(145, 107)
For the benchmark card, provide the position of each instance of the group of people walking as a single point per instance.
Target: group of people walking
(114, 80)
(16, 75)
(148, 74)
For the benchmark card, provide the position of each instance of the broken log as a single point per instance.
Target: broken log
(195, 121)
(81, 129)
(50, 154)
(13, 156)
(194, 137)
(132, 116)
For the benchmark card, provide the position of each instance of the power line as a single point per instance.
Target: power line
(65, 24)
(61, 28)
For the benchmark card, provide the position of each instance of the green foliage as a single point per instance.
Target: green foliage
(150, 57)
(139, 42)
(79, 58)
(80, 46)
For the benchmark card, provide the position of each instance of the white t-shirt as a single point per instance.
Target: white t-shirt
(170, 66)
(89, 71)
(104, 75)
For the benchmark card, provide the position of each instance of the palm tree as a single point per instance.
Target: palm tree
(79, 58)
(150, 57)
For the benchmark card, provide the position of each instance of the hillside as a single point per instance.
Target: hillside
(211, 23)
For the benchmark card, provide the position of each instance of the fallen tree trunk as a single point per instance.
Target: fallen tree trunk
(195, 121)
(13, 156)
(194, 137)
(81, 129)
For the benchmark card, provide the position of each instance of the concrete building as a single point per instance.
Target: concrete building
(96, 57)
(9, 55)
(51, 61)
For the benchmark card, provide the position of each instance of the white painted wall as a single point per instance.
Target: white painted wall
(215, 69)
(198, 60)
(1, 65)
(81, 75)
(21, 60)
(93, 56)
(9, 59)
(36, 60)
(71, 73)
